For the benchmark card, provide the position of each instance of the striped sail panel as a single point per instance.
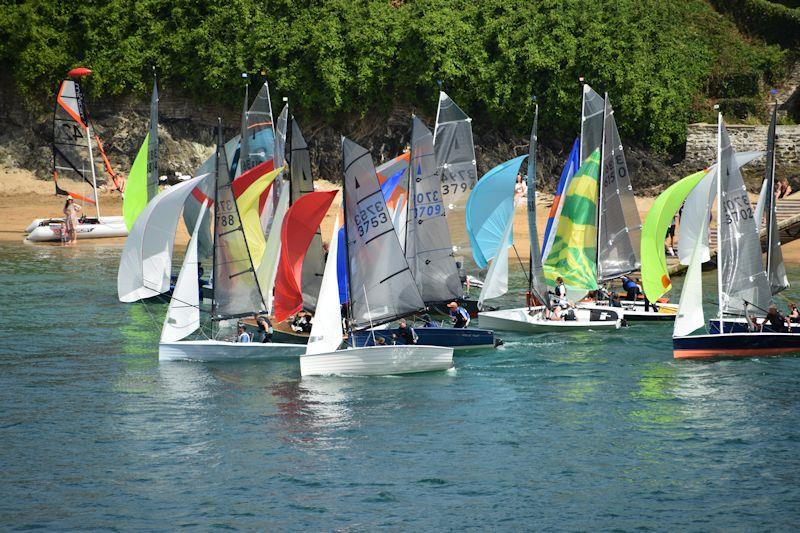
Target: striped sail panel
(743, 280)
(620, 227)
(381, 285)
(428, 248)
(570, 168)
(573, 254)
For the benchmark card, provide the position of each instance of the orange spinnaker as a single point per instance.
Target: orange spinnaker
(299, 226)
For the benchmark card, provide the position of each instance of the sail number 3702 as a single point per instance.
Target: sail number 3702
(737, 208)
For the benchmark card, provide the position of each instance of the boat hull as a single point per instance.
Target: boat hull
(49, 230)
(456, 338)
(635, 311)
(212, 350)
(742, 344)
(377, 361)
(520, 320)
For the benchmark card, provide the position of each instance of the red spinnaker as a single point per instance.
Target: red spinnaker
(245, 180)
(299, 226)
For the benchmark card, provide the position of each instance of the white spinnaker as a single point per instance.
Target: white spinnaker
(145, 268)
(696, 204)
(690, 313)
(183, 315)
(268, 269)
(496, 282)
(762, 200)
(326, 329)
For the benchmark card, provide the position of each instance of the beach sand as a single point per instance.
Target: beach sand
(24, 198)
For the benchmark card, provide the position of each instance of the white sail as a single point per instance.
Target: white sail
(695, 205)
(759, 212)
(326, 329)
(183, 315)
(268, 268)
(145, 268)
(496, 282)
(690, 313)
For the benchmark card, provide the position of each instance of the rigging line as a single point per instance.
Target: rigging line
(524, 271)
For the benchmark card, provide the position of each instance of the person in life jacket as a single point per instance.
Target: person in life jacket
(561, 293)
(459, 315)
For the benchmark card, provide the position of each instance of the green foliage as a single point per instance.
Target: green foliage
(659, 60)
(777, 22)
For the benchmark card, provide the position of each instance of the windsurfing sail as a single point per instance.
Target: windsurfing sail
(301, 224)
(326, 329)
(381, 285)
(655, 277)
(570, 168)
(743, 284)
(183, 314)
(619, 226)
(302, 183)
(72, 145)
(145, 267)
(573, 254)
(776, 271)
(236, 290)
(142, 184)
(536, 283)
(489, 207)
(428, 249)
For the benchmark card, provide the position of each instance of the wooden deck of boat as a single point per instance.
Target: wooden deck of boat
(788, 211)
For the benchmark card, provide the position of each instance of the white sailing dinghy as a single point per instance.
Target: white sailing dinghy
(381, 287)
(73, 159)
(236, 289)
(533, 318)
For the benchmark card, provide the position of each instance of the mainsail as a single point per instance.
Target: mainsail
(142, 184)
(591, 122)
(380, 282)
(776, 271)
(257, 136)
(742, 279)
(455, 151)
(536, 283)
(301, 183)
(428, 248)
(72, 150)
(236, 290)
(619, 226)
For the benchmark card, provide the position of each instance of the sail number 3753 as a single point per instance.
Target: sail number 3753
(369, 217)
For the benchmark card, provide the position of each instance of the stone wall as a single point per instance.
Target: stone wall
(701, 145)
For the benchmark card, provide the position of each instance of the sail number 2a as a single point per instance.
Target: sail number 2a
(737, 208)
(370, 217)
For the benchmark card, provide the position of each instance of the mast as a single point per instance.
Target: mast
(288, 157)
(770, 200)
(91, 165)
(214, 229)
(581, 155)
(600, 189)
(532, 201)
(719, 220)
(346, 248)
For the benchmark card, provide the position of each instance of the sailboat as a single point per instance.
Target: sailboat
(571, 242)
(744, 286)
(73, 159)
(142, 184)
(429, 251)
(381, 287)
(236, 286)
(454, 150)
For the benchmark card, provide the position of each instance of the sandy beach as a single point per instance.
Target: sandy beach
(25, 198)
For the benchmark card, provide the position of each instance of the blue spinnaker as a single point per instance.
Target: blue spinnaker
(489, 207)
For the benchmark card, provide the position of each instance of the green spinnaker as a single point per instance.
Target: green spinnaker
(655, 278)
(136, 196)
(574, 250)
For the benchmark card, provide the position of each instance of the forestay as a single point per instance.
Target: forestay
(236, 290)
(619, 226)
(381, 284)
(145, 268)
(428, 249)
(743, 281)
(183, 314)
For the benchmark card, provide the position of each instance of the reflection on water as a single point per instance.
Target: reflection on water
(596, 430)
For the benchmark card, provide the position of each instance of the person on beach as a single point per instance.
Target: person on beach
(671, 235)
(459, 315)
(71, 215)
(783, 189)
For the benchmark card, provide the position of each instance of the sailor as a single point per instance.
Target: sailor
(794, 314)
(243, 336)
(459, 315)
(427, 321)
(407, 333)
(631, 287)
(561, 292)
(776, 321)
(264, 328)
